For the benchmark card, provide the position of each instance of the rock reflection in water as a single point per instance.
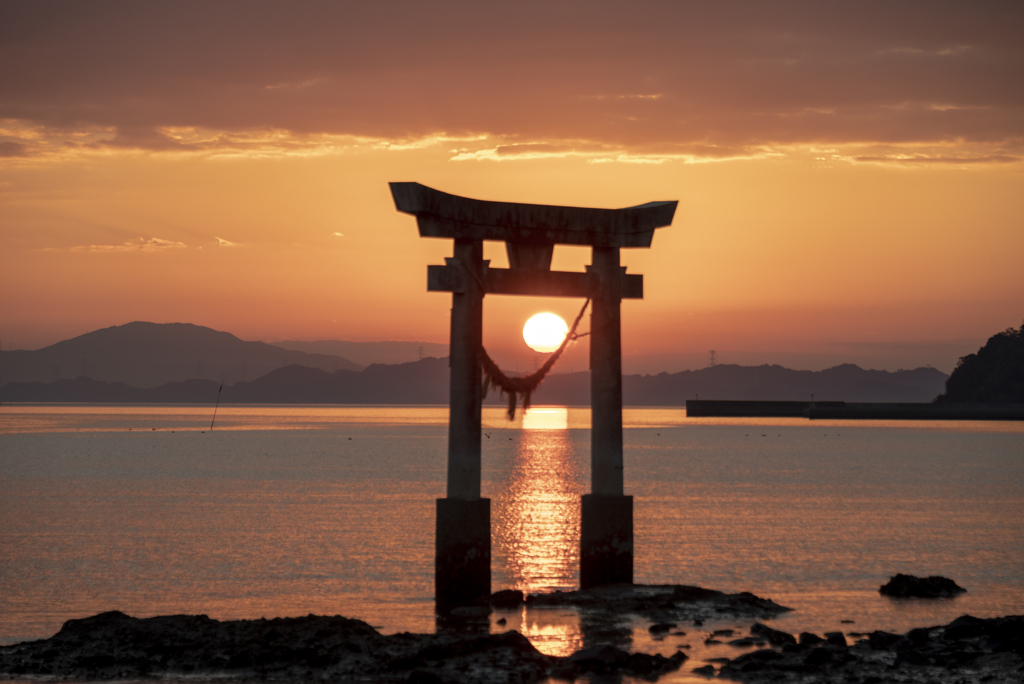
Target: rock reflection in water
(536, 507)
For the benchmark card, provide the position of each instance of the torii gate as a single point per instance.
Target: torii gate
(462, 569)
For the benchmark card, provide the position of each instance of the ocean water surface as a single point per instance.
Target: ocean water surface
(289, 510)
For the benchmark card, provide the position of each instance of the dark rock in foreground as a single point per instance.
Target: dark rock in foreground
(507, 599)
(114, 645)
(772, 636)
(965, 651)
(908, 586)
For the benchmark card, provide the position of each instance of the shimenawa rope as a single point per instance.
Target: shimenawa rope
(525, 386)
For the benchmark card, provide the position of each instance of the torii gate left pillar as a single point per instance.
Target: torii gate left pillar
(530, 232)
(462, 568)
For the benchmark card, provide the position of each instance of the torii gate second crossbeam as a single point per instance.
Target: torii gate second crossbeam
(462, 571)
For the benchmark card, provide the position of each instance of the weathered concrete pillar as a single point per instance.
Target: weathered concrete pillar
(606, 531)
(464, 390)
(462, 562)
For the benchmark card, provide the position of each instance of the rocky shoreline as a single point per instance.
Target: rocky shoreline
(113, 645)
(116, 646)
(965, 651)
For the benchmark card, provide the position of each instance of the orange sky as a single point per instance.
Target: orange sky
(849, 180)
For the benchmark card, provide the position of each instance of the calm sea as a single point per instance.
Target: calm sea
(284, 511)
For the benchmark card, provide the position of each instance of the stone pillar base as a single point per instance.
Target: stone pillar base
(462, 561)
(606, 540)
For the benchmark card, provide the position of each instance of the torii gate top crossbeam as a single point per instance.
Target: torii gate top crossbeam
(439, 214)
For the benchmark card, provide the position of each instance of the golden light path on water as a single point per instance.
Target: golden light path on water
(536, 522)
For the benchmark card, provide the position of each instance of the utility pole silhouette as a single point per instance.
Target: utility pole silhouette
(712, 358)
(217, 405)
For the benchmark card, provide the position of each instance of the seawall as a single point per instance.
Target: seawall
(854, 411)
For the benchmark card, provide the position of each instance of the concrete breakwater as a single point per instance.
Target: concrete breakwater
(852, 410)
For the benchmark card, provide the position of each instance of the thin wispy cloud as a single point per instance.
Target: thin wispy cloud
(221, 242)
(140, 244)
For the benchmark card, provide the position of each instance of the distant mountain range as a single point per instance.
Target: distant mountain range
(426, 382)
(368, 353)
(146, 355)
(184, 363)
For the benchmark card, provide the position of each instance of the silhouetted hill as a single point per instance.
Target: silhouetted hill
(368, 353)
(419, 382)
(426, 382)
(143, 354)
(994, 375)
(755, 383)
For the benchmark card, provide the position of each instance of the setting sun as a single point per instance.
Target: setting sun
(544, 332)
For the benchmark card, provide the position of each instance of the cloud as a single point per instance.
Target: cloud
(221, 242)
(337, 234)
(944, 160)
(140, 244)
(642, 79)
(13, 149)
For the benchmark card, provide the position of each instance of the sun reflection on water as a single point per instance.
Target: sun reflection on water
(536, 513)
(550, 418)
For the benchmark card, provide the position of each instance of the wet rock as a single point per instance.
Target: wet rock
(835, 639)
(663, 603)
(921, 656)
(470, 612)
(661, 627)
(747, 641)
(608, 660)
(964, 627)
(705, 671)
(810, 639)
(910, 657)
(604, 655)
(819, 657)
(906, 586)
(919, 636)
(755, 661)
(116, 646)
(772, 636)
(880, 640)
(507, 599)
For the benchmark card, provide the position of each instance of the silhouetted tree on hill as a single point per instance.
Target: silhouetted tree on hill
(994, 375)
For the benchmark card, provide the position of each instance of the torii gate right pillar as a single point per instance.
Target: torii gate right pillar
(606, 530)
